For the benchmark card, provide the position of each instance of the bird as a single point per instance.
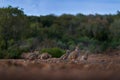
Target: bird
(74, 54)
(45, 56)
(65, 56)
(32, 56)
(84, 57)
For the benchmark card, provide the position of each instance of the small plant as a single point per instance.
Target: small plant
(2, 54)
(12, 53)
(114, 44)
(55, 52)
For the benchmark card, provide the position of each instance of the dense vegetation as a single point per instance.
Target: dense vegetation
(21, 33)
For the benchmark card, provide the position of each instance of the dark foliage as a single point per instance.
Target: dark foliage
(21, 33)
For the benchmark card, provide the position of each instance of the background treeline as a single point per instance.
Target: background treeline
(21, 33)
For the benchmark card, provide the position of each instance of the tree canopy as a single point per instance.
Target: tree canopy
(19, 32)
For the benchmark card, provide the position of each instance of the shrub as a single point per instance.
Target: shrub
(92, 45)
(61, 44)
(114, 44)
(55, 52)
(115, 30)
(13, 53)
(1, 54)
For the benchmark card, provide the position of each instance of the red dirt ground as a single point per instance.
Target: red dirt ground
(98, 67)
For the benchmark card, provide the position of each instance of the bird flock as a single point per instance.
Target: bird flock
(74, 55)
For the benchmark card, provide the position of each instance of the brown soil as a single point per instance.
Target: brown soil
(98, 67)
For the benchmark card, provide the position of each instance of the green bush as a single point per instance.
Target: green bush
(114, 30)
(55, 52)
(104, 45)
(2, 54)
(13, 53)
(92, 45)
(114, 44)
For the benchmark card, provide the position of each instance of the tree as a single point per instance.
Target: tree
(13, 25)
(115, 30)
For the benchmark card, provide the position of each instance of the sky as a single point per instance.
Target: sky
(58, 7)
